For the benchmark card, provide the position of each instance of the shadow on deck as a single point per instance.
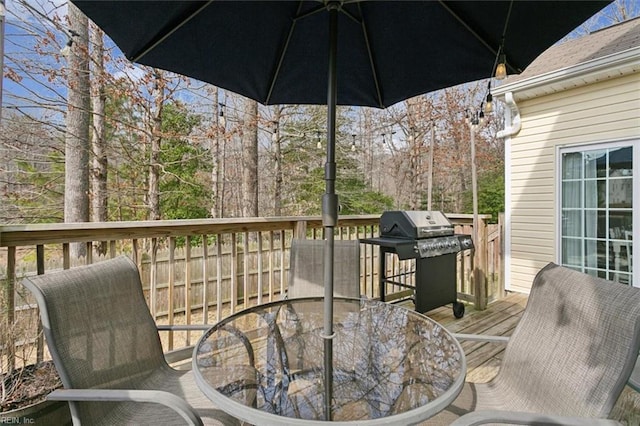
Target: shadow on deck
(499, 319)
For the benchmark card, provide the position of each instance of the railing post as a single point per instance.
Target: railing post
(10, 305)
(171, 286)
(501, 263)
(40, 271)
(300, 231)
(480, 266)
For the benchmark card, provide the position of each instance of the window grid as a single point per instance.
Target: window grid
(598, 246)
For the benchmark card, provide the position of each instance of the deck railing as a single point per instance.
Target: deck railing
(243, 263)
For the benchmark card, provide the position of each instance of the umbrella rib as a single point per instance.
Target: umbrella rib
(165, 33)
(286, 46)
(365, 34)
(471, 30)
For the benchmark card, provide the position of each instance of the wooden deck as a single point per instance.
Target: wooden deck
(499, 319)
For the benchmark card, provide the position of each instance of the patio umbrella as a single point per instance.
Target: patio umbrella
(366, 53)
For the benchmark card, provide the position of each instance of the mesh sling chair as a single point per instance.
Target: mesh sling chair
(306, 279)
(106, 348)
(306, 270)
(567, 361)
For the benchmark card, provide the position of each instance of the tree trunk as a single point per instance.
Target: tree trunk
(277, 193)
(156, 142)
(216, 149)
(98, 143)
(250, 159)
(413, 171)
(76, 193)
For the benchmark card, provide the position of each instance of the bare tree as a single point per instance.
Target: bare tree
(216, 134)
(277, 158)
(250, 159)
(76, 194)
(98, 141)
(155, 134)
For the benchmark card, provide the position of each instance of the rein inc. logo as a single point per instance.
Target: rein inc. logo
(7, 420)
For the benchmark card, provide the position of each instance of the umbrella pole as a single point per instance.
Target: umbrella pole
(330, 208)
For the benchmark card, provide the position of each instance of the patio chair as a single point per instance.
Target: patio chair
(105, 346)
(306, 279)
(306, 268)
(567, 360)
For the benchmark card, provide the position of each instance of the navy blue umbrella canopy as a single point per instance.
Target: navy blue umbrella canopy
(365, 53)
(276, 52)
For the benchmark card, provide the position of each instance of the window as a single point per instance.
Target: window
(597, 187)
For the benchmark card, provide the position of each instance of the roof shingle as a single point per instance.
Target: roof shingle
(598, 44)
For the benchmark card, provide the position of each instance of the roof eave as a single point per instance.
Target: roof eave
(611, 66)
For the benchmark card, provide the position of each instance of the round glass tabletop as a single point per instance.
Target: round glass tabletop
(389, 365)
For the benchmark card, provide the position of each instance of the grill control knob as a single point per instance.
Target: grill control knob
(466, 243)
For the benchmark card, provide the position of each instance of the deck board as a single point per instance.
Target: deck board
(499, 319)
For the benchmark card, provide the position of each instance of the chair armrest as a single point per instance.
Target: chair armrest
(184, 327)
(167, 399)
(522, 418)
(481, 338)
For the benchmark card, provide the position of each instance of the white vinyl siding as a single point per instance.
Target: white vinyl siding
(607, 111)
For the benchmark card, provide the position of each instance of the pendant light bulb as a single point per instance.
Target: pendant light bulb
(488, 106)
(501, 69)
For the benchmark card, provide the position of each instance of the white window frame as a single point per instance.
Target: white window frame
(635, 144)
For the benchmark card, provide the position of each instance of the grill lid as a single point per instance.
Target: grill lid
(414, 224)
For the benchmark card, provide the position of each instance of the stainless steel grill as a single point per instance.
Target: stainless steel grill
(429, 238)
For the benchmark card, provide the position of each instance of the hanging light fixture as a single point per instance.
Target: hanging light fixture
(501, 68)
(221, 119)
(67, 47)
(488, 106)
(353, 143)
(274, 132)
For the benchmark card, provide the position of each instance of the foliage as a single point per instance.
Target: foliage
(127, 164)
(184, 190)
(32, 171)
(303, 160)
(49, 179)
(490, 195)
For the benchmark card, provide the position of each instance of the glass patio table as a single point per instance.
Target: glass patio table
(388, 364)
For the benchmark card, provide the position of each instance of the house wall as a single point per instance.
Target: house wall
(600, 112)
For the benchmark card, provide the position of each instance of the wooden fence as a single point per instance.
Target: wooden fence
(243, 263)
